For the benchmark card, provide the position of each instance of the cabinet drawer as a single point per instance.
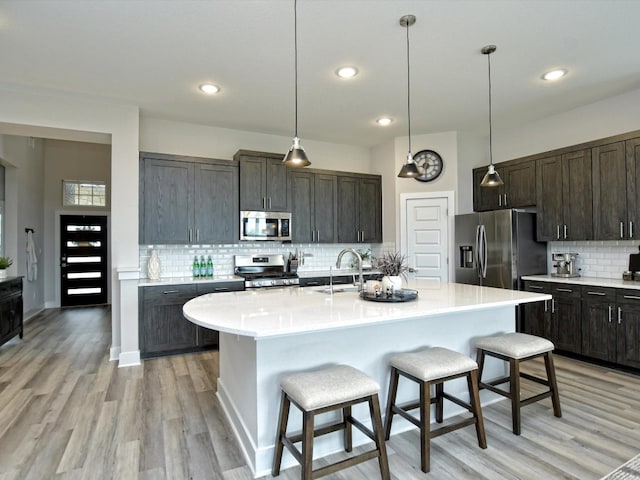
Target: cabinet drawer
(599, 293)
(169, 294)
(531, 286)
(567, 290)
(11, 287)
(629, 297)
(217, 287)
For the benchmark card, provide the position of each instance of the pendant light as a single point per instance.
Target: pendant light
(296, 157)
(409, 169)
(491, 178)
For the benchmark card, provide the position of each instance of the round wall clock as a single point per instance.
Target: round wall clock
(429, 165)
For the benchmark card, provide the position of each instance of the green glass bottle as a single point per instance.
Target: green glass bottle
(196, 267)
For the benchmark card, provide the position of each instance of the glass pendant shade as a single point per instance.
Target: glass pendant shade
(491, 178)
(296, 157)
(409, 169)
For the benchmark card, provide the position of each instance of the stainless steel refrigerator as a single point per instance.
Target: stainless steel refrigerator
(496, 248)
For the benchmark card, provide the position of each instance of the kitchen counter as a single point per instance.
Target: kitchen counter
(145, 282)
(587, 281)
(285, 311)
(269, 333)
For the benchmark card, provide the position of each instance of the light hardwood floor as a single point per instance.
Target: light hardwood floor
(66, 412)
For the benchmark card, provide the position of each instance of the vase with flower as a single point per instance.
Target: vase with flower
(393, 265)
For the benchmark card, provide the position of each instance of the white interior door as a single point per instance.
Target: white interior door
(426, 236)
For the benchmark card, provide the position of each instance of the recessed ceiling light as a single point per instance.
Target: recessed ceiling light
(384, 121)
(209, 88)
(554, 74)
(347, 72)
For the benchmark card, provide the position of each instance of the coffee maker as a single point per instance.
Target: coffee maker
(565, 265)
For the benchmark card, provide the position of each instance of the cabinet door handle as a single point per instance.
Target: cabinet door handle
(499, 200)
(595, 293)
(630, 229)
(318, 236)
(221, 289)
(565, 231)
(546, 308)
(269, 203)
(536, 287)
(264, 203)
(197, 235)
(610, 309)
(619, 315)
(190, 235)
(553, 306)
(505, 199)
(621, 229)
(362, 237)
(564, 290)
(557, 232)
(169, 292)
(631, 297)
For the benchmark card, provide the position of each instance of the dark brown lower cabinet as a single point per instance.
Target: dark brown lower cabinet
(565, 329)
(10, 309)
(599, 325)
(596, 322)
(627, 316)
(163, 328)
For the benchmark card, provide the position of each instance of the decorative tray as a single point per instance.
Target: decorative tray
(402, 295)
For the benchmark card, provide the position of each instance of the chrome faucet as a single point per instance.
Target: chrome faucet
(357, 255)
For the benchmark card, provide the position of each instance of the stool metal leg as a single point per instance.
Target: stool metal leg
(307, 445)
(282, 428)
(425, 426)
(378, 433)
(439, 402)
(514, 386)
(391, 400)
(348, 436)
(553, 384)
(474, 397)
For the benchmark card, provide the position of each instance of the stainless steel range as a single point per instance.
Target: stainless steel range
(260, 271)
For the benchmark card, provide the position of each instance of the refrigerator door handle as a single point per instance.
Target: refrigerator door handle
(483, 239)
(478, 258)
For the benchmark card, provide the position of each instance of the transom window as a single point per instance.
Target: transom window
(82, 193)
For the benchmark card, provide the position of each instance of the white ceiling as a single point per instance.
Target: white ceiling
(154, 54)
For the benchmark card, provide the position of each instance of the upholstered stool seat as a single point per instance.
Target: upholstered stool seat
(516, 348)
(434, 366)
(337, 387)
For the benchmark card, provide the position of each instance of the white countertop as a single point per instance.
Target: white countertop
(591, 281)
(145, 282)
(285, 311)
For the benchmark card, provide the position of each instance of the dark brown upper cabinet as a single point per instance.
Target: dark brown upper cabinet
(186, 200)
(519, 189)
(610, 206)
(263, 181)
(313, 206)
(359, 209)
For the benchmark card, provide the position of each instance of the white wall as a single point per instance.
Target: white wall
(23, 160)
(34, 109)
(179, 138)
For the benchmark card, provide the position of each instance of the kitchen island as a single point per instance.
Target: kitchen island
(268, 333)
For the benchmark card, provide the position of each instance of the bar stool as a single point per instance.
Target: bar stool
(334, 388)
(434, 366)
(516, 348)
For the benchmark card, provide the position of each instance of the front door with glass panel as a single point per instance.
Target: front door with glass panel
(83, 260)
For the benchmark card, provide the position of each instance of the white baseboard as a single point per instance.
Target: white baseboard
(129, 359)
(114, 353)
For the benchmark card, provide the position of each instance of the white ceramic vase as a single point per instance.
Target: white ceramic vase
(153, 266)
(3, 273)
(391, 283)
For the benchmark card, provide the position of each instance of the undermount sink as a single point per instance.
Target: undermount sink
(339, 289)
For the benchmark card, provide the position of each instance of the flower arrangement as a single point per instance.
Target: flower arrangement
(366, 257)
(5, 262)
(393, 264)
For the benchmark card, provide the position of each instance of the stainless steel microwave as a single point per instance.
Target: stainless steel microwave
(265, 226)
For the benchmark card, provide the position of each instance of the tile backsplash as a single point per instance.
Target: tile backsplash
(601, 259)
(177, 260)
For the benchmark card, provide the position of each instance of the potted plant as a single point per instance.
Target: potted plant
(393, 265)
(5, 262)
